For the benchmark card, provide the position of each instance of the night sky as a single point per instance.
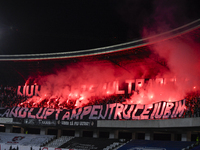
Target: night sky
(69, 25)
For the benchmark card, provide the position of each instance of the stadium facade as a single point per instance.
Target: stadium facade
(17, 70)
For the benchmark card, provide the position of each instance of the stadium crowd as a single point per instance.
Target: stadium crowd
(9, 98)
(192, 105)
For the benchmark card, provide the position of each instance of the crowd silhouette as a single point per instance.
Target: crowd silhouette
(9, 99)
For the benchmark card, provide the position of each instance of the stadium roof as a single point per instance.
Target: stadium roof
(109, 49)
(16, 69)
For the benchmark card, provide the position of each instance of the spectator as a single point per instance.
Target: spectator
(8, 98)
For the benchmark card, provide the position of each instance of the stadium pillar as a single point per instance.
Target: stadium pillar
(8, 128)
(172, 137)
(43, 131)
(78, 133)
(113, 134)
(148, 136)
(22, 130)
(95, 134)
(59, 133)
(186, 136)
(133, 135)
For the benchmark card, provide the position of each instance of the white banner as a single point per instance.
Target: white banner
(6, 120)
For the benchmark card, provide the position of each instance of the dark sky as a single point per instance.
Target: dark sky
(68, 25)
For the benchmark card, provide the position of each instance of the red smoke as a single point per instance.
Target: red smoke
(83, 84)
(172, 70)
(176, 60)
(181, 53)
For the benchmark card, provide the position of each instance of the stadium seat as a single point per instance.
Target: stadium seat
(25, 139)
(58, 142)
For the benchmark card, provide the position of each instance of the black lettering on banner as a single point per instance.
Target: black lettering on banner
(6, 113)
(30, 113)
(137, 111)
(23, 112)
(111, 108)
(14, 112)
(86, 111)
(167, 112)
(114, 111)
(155, 107)
(118, 111)
(181, 108)
(49, 112)
(127, 111)
(95, 112)
(40, 113)
(173, 115)
(160, 110)
(66, 116)
(76, 113)
(146, 111)
(103, 112)
(57, 113)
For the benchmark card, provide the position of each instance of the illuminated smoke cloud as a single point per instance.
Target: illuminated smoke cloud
(78, 81)
(181, 53)
(181, 71)
(80, 74)
(165, 15)
(83, 80)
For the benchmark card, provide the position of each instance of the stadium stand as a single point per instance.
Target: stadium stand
(25, 139)
(114, 146)
(90, 143)
(196, 148)
(9, 98)
(58, 142)
(179, 130)
(155, 145)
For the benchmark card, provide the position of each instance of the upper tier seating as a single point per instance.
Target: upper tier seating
(60, 141)
(25, 139)
(88, 143)
(161, 145)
